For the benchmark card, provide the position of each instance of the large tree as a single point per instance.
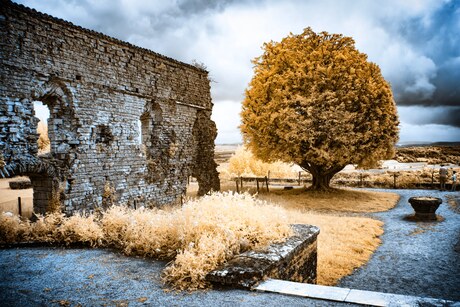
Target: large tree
(315, 100)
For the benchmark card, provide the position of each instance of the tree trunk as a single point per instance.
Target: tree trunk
(321, 176)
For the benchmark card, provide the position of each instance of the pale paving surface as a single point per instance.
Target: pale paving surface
(346, 295)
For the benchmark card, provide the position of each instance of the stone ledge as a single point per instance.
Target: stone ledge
(294, 260)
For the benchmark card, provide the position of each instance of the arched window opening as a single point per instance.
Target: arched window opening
(42, 112)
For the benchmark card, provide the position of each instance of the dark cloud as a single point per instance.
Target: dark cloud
(451, 118)
(447, 83)
(440, 115)
(437, 36)
(204, 6)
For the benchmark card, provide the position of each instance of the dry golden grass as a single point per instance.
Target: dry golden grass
(342, 200)
(344, 243)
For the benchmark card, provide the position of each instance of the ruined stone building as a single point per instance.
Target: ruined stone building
(125, 122)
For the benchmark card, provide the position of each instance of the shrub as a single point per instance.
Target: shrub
(12, 228)
(45, 229)
(200, 235)
(80, 228)
(243, 163)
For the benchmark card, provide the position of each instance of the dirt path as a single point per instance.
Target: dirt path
(415, 258)
(9, 198)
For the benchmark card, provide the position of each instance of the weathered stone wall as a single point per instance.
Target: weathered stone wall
(99, 91)
(293, 260)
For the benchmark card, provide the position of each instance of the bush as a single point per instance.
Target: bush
(199, 236)
(243, 163)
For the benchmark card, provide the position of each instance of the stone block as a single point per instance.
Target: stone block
(293, 260)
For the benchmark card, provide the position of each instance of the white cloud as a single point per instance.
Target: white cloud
(227, 35)
(419, 115)
(428, 133)
(226, 114)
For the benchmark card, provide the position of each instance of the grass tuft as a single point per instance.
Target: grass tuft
(198, 236)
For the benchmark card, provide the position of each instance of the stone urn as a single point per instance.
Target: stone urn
(425, 207)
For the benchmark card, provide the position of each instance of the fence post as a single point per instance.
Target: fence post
(394, 181)
(266, 182)
(299, 177)
(19, 207)
(241, 182)
(237, 187)
(257, 181)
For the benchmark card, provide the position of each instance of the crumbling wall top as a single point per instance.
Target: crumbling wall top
(34, 13)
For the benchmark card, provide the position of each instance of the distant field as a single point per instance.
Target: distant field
(223, 152)
(409, 154)
(429, 154)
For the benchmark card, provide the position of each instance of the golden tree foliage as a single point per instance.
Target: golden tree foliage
(316, 101)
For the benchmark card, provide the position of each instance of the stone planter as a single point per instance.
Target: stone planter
(425, 207)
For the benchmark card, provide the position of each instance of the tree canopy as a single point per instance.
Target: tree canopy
(317, 101)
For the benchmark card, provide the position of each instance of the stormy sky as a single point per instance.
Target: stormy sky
(416, 43)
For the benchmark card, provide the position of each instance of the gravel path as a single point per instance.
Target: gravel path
(415, 258)
(98, 277)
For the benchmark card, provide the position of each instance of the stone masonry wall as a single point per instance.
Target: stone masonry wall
(123, 120)
(293, 260)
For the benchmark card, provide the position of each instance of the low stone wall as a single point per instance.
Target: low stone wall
(20, 184)
(293, 260)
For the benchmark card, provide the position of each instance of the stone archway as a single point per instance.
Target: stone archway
(62, 123)
(46, 171)
(45, 184)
